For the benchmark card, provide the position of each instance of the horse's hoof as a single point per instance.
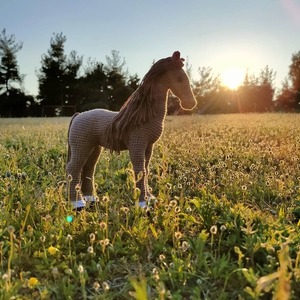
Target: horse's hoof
(78, 205)
(143, 204)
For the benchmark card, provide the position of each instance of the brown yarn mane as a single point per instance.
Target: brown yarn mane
(139, 107)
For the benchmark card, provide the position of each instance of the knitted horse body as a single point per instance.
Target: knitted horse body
(136, 127)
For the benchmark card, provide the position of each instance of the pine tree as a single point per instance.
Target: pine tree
(9, 70)
(58, 74)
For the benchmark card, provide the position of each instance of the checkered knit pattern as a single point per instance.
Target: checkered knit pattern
(88, 131)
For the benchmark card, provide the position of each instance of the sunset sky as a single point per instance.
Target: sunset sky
(222, 34)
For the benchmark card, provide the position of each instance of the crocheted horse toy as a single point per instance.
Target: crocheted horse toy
(136, 127)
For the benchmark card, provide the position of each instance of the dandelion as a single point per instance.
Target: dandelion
(177, 209)
(96, 286)
(185, 245)
(68, 271)
(52, 250)
(90, 250)
(92, 237)
(188, 209)
(70, 178)
(125, 209)
(55, 272)
(5, 277)
(223, 228)
(105, 199)
(69, 237)
(80, 269)
(105, 286)
(178, 235)
(155, 274)
(103, 225)
(32, 282)
(77, 187)
(173, 203)
(213, 229)
(11, 229)
(161, 257)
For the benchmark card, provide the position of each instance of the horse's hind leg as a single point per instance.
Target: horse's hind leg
(88, 172)
(79, 156)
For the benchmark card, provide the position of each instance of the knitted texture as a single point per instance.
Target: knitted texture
(136, 127)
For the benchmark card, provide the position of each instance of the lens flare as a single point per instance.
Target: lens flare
(69, 219)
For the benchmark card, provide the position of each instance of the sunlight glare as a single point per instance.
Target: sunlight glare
(232, 78)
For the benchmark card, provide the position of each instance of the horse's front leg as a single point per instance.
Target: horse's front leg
(137, 157)
(88, 172)
(148, 155)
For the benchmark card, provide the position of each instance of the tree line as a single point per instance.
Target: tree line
(66, 85)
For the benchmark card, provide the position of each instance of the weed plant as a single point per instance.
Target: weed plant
(224, 226)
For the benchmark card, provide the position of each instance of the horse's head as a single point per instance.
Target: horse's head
(179, 82)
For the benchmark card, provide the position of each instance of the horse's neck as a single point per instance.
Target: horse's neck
(161, 97)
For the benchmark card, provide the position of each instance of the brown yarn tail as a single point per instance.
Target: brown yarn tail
(69, 148)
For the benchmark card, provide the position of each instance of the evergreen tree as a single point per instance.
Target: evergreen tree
(294, 72)
(265, 90)
(92, 87)
(13, 101)
(9, 70)
(58, 74)
(206, 91)
(285, 100)
(288, 98)
(117, 89)
(256, 93)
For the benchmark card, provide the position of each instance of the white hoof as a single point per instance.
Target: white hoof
(89, 199)
(78, 204)
(143, 204)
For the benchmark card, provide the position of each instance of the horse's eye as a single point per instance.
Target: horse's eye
(179, 79)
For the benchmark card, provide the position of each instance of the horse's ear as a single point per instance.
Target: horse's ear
(177, 60)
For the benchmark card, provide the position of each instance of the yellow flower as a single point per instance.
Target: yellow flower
(52, 250)
(32, 282)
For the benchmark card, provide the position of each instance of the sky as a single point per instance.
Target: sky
(222, 34)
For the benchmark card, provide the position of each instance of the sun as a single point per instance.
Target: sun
(233, 77)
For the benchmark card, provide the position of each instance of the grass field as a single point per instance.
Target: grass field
(225, 225)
